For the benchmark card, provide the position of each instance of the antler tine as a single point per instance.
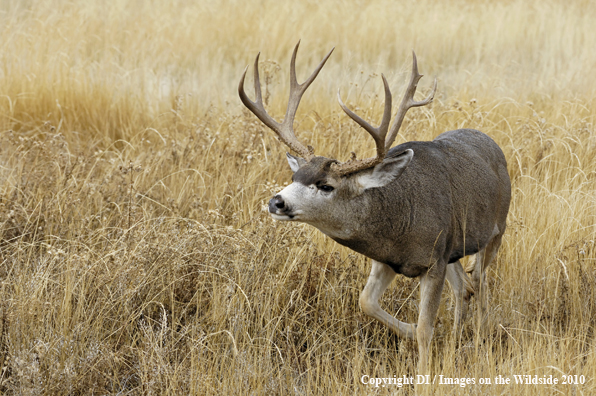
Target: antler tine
(257, 106)
(408, 101)
(297, 90)
(285, 129)
(294, 82)
(378, 133)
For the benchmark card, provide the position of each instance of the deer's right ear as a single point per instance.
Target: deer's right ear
(295, 162)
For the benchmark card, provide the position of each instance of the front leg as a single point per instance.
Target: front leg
(431, 287)
(463, 290)
(380, 277)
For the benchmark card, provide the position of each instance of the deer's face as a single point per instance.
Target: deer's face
(314, 195)
(319, 196)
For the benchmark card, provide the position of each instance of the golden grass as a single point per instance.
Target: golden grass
(135, 254)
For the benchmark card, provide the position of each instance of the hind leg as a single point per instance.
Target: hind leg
(483, 260)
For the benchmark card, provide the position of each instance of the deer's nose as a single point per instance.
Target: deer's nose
(276, 203)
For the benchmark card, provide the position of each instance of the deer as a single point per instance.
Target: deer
(415, 209)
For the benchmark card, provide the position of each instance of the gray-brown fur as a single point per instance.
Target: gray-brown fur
(449, 197)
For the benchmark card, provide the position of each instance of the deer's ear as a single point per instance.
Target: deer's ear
(385, 172)
(295, 162)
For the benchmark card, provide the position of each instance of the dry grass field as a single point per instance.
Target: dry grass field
(136, 255)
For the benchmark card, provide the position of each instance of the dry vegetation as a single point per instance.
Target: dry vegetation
(135, 254)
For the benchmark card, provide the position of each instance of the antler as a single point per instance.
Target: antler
(379, 134)
(285, 129)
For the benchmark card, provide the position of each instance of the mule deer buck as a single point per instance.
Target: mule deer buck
(415, 209)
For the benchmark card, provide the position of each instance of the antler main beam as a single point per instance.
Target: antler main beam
(285, 129)
(383, 141)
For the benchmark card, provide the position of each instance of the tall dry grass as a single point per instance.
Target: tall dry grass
(135, 254)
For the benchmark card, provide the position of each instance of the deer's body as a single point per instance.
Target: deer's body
(449, 197)
(415, 209)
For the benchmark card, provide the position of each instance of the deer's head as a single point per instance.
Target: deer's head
(324, 192)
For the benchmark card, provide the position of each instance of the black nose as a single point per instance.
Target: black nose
(276, 203)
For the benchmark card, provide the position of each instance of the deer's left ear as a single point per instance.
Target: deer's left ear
(385, 172)
(295, 162)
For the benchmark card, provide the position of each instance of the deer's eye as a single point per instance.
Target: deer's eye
(325, 187)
